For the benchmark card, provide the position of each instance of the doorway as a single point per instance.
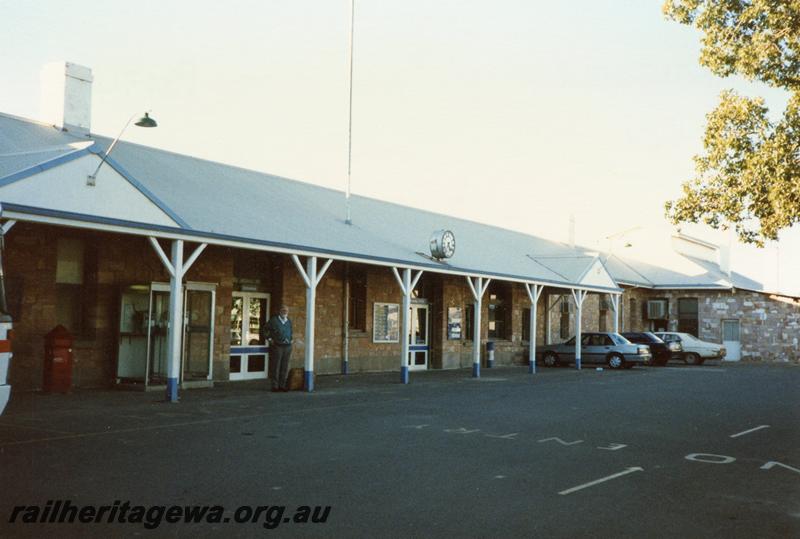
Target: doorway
(419, 337)
(249, 356)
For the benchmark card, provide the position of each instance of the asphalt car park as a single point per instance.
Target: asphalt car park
(708, 451)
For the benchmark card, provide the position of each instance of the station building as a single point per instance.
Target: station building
(164, 267)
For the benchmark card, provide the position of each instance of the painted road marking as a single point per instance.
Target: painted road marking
(602, 480)
(462, 430)
(613, 447)
(749, 431)
(418, 427)
(710, 458)
(512, 436)
(771, 464)
(559, 440)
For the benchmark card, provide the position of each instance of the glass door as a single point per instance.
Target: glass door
(730, 340)
(198, 332)
(418, 338)
(249, 352)
(158, 326)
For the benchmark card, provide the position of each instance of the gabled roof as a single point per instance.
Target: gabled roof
(216, 201)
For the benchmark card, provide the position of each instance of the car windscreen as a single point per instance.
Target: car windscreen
(619, 339)
(649, 337)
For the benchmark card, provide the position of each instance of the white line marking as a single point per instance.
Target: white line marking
(770, 464)
(603, 480)
(613, 447)
(462, 430)
(559, 440)
(749, 431)
(512, 436)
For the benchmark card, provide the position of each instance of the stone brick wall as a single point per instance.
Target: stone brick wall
(115, 263)
(769, 325)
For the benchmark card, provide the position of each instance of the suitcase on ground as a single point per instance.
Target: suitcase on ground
(295, 381)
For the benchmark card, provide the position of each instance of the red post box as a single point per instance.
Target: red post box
(58, 361)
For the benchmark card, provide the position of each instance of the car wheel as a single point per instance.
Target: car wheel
(550, 360)
(615, 361)
(692, 359)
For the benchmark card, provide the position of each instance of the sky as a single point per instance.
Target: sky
(517, 113)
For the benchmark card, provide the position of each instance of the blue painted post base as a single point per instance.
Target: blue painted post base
(309, 379)
(172, 390)
(489, 363)
(532, 367)
(345, 367)
(476, 370)
(578, 363)
(404, 375)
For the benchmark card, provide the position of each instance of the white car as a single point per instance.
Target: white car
(695, 351)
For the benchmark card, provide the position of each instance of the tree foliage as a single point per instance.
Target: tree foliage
(749, 175)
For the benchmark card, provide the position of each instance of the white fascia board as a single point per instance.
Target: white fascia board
(168, 233)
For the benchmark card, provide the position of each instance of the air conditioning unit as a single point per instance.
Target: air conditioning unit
(657, 309)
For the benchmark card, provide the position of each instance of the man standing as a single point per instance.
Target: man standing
(279, 334)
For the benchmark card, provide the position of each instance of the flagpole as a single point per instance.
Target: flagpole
(350, 113)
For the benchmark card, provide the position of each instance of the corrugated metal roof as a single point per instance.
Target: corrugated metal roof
(221, 199)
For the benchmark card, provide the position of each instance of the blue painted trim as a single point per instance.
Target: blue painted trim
(490, 346)
(490, 363)
(419, 347)
(41, 167)
(578, 363)
(172, 389)
(249, 349)
(201, 234)
(309, 380)
(345, 367)
(404, 375)
(532, 367)
(476, 370)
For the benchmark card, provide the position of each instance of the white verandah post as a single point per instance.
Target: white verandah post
(478, 287)
(407, 285)
(177, 269)
(615, 307)
(578, 296)
(311, 277)
(533, 295)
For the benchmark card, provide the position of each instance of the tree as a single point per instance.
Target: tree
(749, 175)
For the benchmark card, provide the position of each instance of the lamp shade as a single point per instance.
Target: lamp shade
(146, 121)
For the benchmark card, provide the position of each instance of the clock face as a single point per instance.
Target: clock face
(448, 244)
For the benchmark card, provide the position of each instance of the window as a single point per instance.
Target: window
(603, 317)
(469, 322)
(730, 330)
(499, 303)
(657, 309)
(357, 306)
(526, 325)
(688, 316)
(69, 284)
(566, 307)
(386, 323)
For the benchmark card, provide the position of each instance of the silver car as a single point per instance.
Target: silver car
(609, 348)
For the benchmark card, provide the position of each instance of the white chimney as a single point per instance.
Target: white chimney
(67, 96)
(724, 251)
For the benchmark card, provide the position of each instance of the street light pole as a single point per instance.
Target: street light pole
(144, 121)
